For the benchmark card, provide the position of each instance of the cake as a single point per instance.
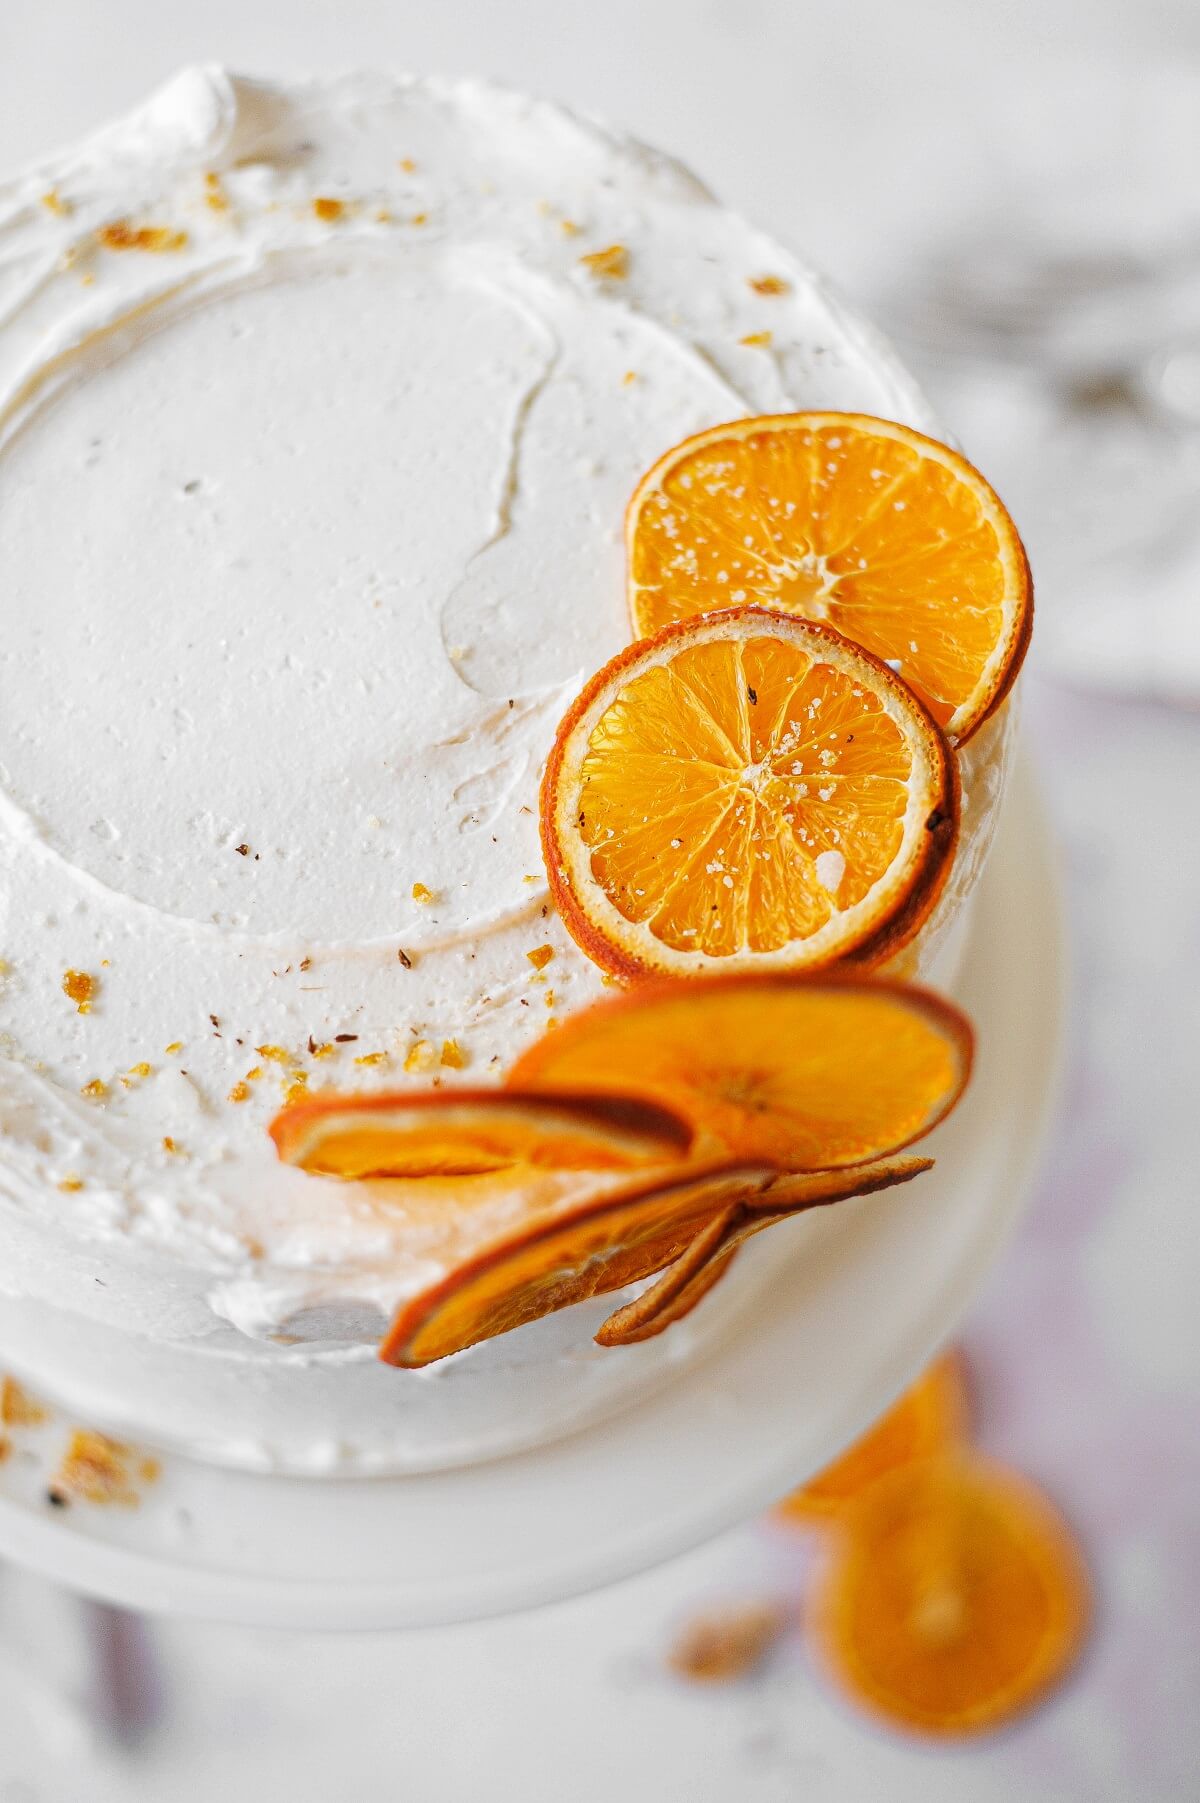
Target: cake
(322, 403)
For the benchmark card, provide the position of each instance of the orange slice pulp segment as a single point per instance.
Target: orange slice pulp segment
(953, 1597)
(881, 532)
(711, 1253)
(805, 1073)
(588, 1248)
(930, 1417)
(746, 791)
(464, 1132)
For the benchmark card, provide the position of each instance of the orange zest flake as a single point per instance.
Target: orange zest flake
(768, 284)
(728, 1644)
(297, 1090)
(80, 987)
(277, 1054)
(119, 234)
(452, 1055)
(328, 209)
(240, 1092)
(141, 1070)
(408, 166)
(17, 1406)
(175, 1046)
(95, 1091)
(214, 194)
(170, 1145)
(98, 1470)
(379, 1057)
(568, 228)
(419, 219)
(53, 202)
(254, 1073)
(629, 378)
(420, 1056)
(540, 956)
(759, 340)
(612, 262)
(421, 894)
(69, 1185)
(325, 1050)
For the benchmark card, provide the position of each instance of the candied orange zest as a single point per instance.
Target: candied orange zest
(465, 1132)
(862, 523)
(954, 1597)
(930, 1417)
(806, 1073)
(676, 1293)
(594, 1246)
(744, 790)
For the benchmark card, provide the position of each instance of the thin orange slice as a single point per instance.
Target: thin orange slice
(806, 1073)
(885, 534)
(954, 1597)
(599, 1244)
(711, 1253)
(746, 791)
(463, 1132)
(930, 1417)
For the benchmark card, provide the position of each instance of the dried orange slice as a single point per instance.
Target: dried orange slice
(806, 1073)
(954, 1597)
(596, 1245)
(930, 1417)
(711, 1253)
(463, 1132)
(885, 534)
(746, 791)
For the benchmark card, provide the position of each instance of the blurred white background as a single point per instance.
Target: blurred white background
(877, 137)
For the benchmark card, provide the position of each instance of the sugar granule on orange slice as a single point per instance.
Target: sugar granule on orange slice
(931, 1416)
(879, 531)
(746, 791)
(806, 1073)
(677, 1292)
(593, 1246)
(465, 1132)
(954, 1597)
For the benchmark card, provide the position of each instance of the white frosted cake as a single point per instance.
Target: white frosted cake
(319, 415)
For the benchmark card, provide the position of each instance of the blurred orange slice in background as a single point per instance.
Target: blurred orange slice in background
(879, 531)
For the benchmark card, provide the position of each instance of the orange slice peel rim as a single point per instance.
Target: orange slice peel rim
(825, 557)
(467, 1132)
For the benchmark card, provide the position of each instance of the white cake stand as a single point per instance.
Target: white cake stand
(844, 1326)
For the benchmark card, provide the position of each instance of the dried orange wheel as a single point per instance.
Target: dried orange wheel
(885, 534)
(711, 1253)
(806, 1073)
(930, 1417)
(746, 791)
(463, 1132)
(954, 1597)
(597, 1245)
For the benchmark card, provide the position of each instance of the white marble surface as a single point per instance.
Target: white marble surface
(832, 125)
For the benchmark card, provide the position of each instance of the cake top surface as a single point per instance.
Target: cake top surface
(320, 405)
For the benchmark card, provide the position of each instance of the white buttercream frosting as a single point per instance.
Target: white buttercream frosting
(316, 432)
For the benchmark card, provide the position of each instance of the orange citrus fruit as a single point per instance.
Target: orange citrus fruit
(930, 1417)
(464, 1132)
(711, 1253)
(953, 1597)
(805, 1073)
(746, 791)
(595, 1245)
(886, 534)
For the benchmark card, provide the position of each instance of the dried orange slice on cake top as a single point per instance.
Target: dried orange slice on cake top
(467, 1132)
(746, 790)
(879, 531)
(802, 1073)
